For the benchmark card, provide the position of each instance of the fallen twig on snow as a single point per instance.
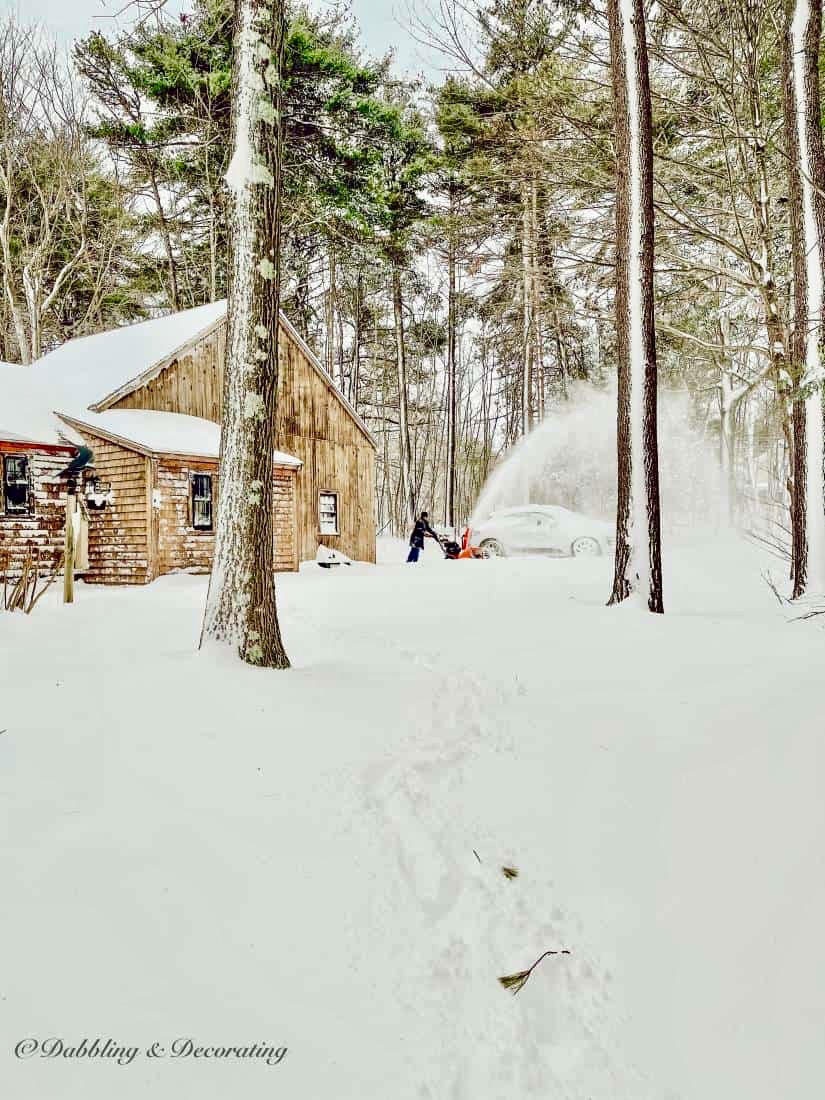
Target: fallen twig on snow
(809, 615)
(516, 982)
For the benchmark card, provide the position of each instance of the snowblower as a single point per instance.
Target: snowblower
(450, 549)
(454, 552)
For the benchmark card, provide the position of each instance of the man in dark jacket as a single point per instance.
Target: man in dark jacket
(421, 531)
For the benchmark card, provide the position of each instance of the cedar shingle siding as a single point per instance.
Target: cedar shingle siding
(181, 546)
(146, 530)
(42, 528)
(118, 533)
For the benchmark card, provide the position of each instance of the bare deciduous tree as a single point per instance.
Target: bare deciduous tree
(45, 166)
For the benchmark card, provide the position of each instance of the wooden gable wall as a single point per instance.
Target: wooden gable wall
(313, 424)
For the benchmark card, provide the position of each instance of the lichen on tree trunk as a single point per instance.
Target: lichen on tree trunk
(638, 564)
(240, 608)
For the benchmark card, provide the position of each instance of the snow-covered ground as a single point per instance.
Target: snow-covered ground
(312, 859)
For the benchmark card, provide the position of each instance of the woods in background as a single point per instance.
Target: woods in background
(450, 251)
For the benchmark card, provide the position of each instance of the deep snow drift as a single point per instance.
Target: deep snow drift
(196, 848)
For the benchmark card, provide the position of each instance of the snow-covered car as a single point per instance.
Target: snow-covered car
(543, 529)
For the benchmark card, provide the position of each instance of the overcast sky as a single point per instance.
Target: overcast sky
(381, 21)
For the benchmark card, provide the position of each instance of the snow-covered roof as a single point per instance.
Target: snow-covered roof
(29, 414)
(162, 432)
(87, 372)
(25, 417)
(83, 371)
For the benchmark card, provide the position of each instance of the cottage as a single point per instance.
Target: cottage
(146, 400)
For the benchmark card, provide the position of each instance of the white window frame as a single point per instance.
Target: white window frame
(211, 498)
(337, 512)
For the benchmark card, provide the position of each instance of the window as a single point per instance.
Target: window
(16, 485)
(328, 513)
(202, 502)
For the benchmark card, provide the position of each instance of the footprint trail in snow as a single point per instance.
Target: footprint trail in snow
(465, 923)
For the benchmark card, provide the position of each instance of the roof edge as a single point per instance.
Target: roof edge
(112, 437)
(149, 452)
(35, 444)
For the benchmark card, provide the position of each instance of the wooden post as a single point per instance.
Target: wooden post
(68, 551)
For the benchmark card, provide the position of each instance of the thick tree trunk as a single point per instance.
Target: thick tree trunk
(796, 342)
(806, 170)
(404, 446)
(527, 318)
(536, 354)
(449, 481)
(638, 564)
(240, 607)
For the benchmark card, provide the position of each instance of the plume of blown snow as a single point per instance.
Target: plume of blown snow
(570, 460)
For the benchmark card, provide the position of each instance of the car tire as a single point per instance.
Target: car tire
(493, 549)
(585, 547)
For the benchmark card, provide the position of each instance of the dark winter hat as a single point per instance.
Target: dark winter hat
(425, 515)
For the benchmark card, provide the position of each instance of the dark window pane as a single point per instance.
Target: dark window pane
(16, 484)
(202, 502)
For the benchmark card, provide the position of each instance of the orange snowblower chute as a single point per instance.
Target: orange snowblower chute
(468, 551)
